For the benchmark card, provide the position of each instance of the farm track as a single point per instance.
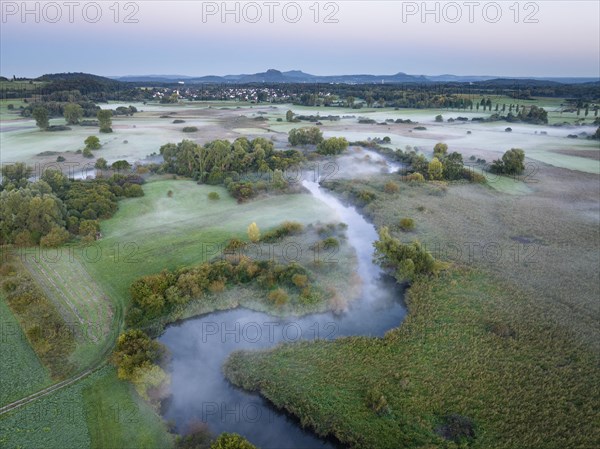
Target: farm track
(48, 390)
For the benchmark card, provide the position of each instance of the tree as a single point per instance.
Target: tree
(440, 149)
(253, 232)
(92, 142)
(435, 170)
(58, 182)
(350, 101)
(40, 114)
(439, 118)
(56, 237)
(105, 120)
(32, 210)
(289, 116)
(278, 180)
(88, 153)
(333, 145)
(305, 136)
(134, 349)
(16, 174)
(101, 164)
(405, 261)
(453, 166)
(121, 165)
(72, 113)
(513, 161)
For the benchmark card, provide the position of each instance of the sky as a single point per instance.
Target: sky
(115, 38)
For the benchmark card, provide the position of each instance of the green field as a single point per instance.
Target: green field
(97, 412)
(155, 232)
(22, 372)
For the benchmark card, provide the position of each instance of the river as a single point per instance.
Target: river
(200, 346)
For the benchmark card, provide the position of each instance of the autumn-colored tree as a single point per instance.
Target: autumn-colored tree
(253, 232)
(435, 170)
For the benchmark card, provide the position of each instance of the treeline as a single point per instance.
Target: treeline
(164, 293)
(54, 208)
(45, 329)
(72, 108)
(234, 165)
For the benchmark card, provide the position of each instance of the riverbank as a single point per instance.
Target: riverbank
(470, 347)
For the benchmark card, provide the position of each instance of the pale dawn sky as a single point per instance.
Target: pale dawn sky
(504, 38)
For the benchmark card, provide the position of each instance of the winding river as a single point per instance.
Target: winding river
(200, 346)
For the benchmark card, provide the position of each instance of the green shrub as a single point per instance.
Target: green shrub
(377, 402)
(279, 297)
(407, 224)
(231, 441)
(415, 177)
(214, 196)
(472, 176)
(190, 129)
(92, 142)
(132, 190)
(391, 187)
(406, 261)
(56, 237)
(283, 230)
(366, 196)
(300, 280)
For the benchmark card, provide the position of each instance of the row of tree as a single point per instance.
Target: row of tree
(72, 113)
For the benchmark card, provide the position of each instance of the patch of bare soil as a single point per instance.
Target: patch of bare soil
(588, 154)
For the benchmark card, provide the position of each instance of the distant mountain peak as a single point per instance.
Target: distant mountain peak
(275, 76)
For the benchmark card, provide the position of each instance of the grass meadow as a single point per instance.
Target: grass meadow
(22, 372)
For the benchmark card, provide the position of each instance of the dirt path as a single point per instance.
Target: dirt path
(48, 390)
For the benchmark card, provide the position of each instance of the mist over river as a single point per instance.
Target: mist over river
(200, 346)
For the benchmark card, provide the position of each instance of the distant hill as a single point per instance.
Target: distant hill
(84, 82)
(298, 76)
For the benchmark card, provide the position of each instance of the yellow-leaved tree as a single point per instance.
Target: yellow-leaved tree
(435, 169)
(253, 232)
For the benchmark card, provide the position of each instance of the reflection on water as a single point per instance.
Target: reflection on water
(200, 346)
